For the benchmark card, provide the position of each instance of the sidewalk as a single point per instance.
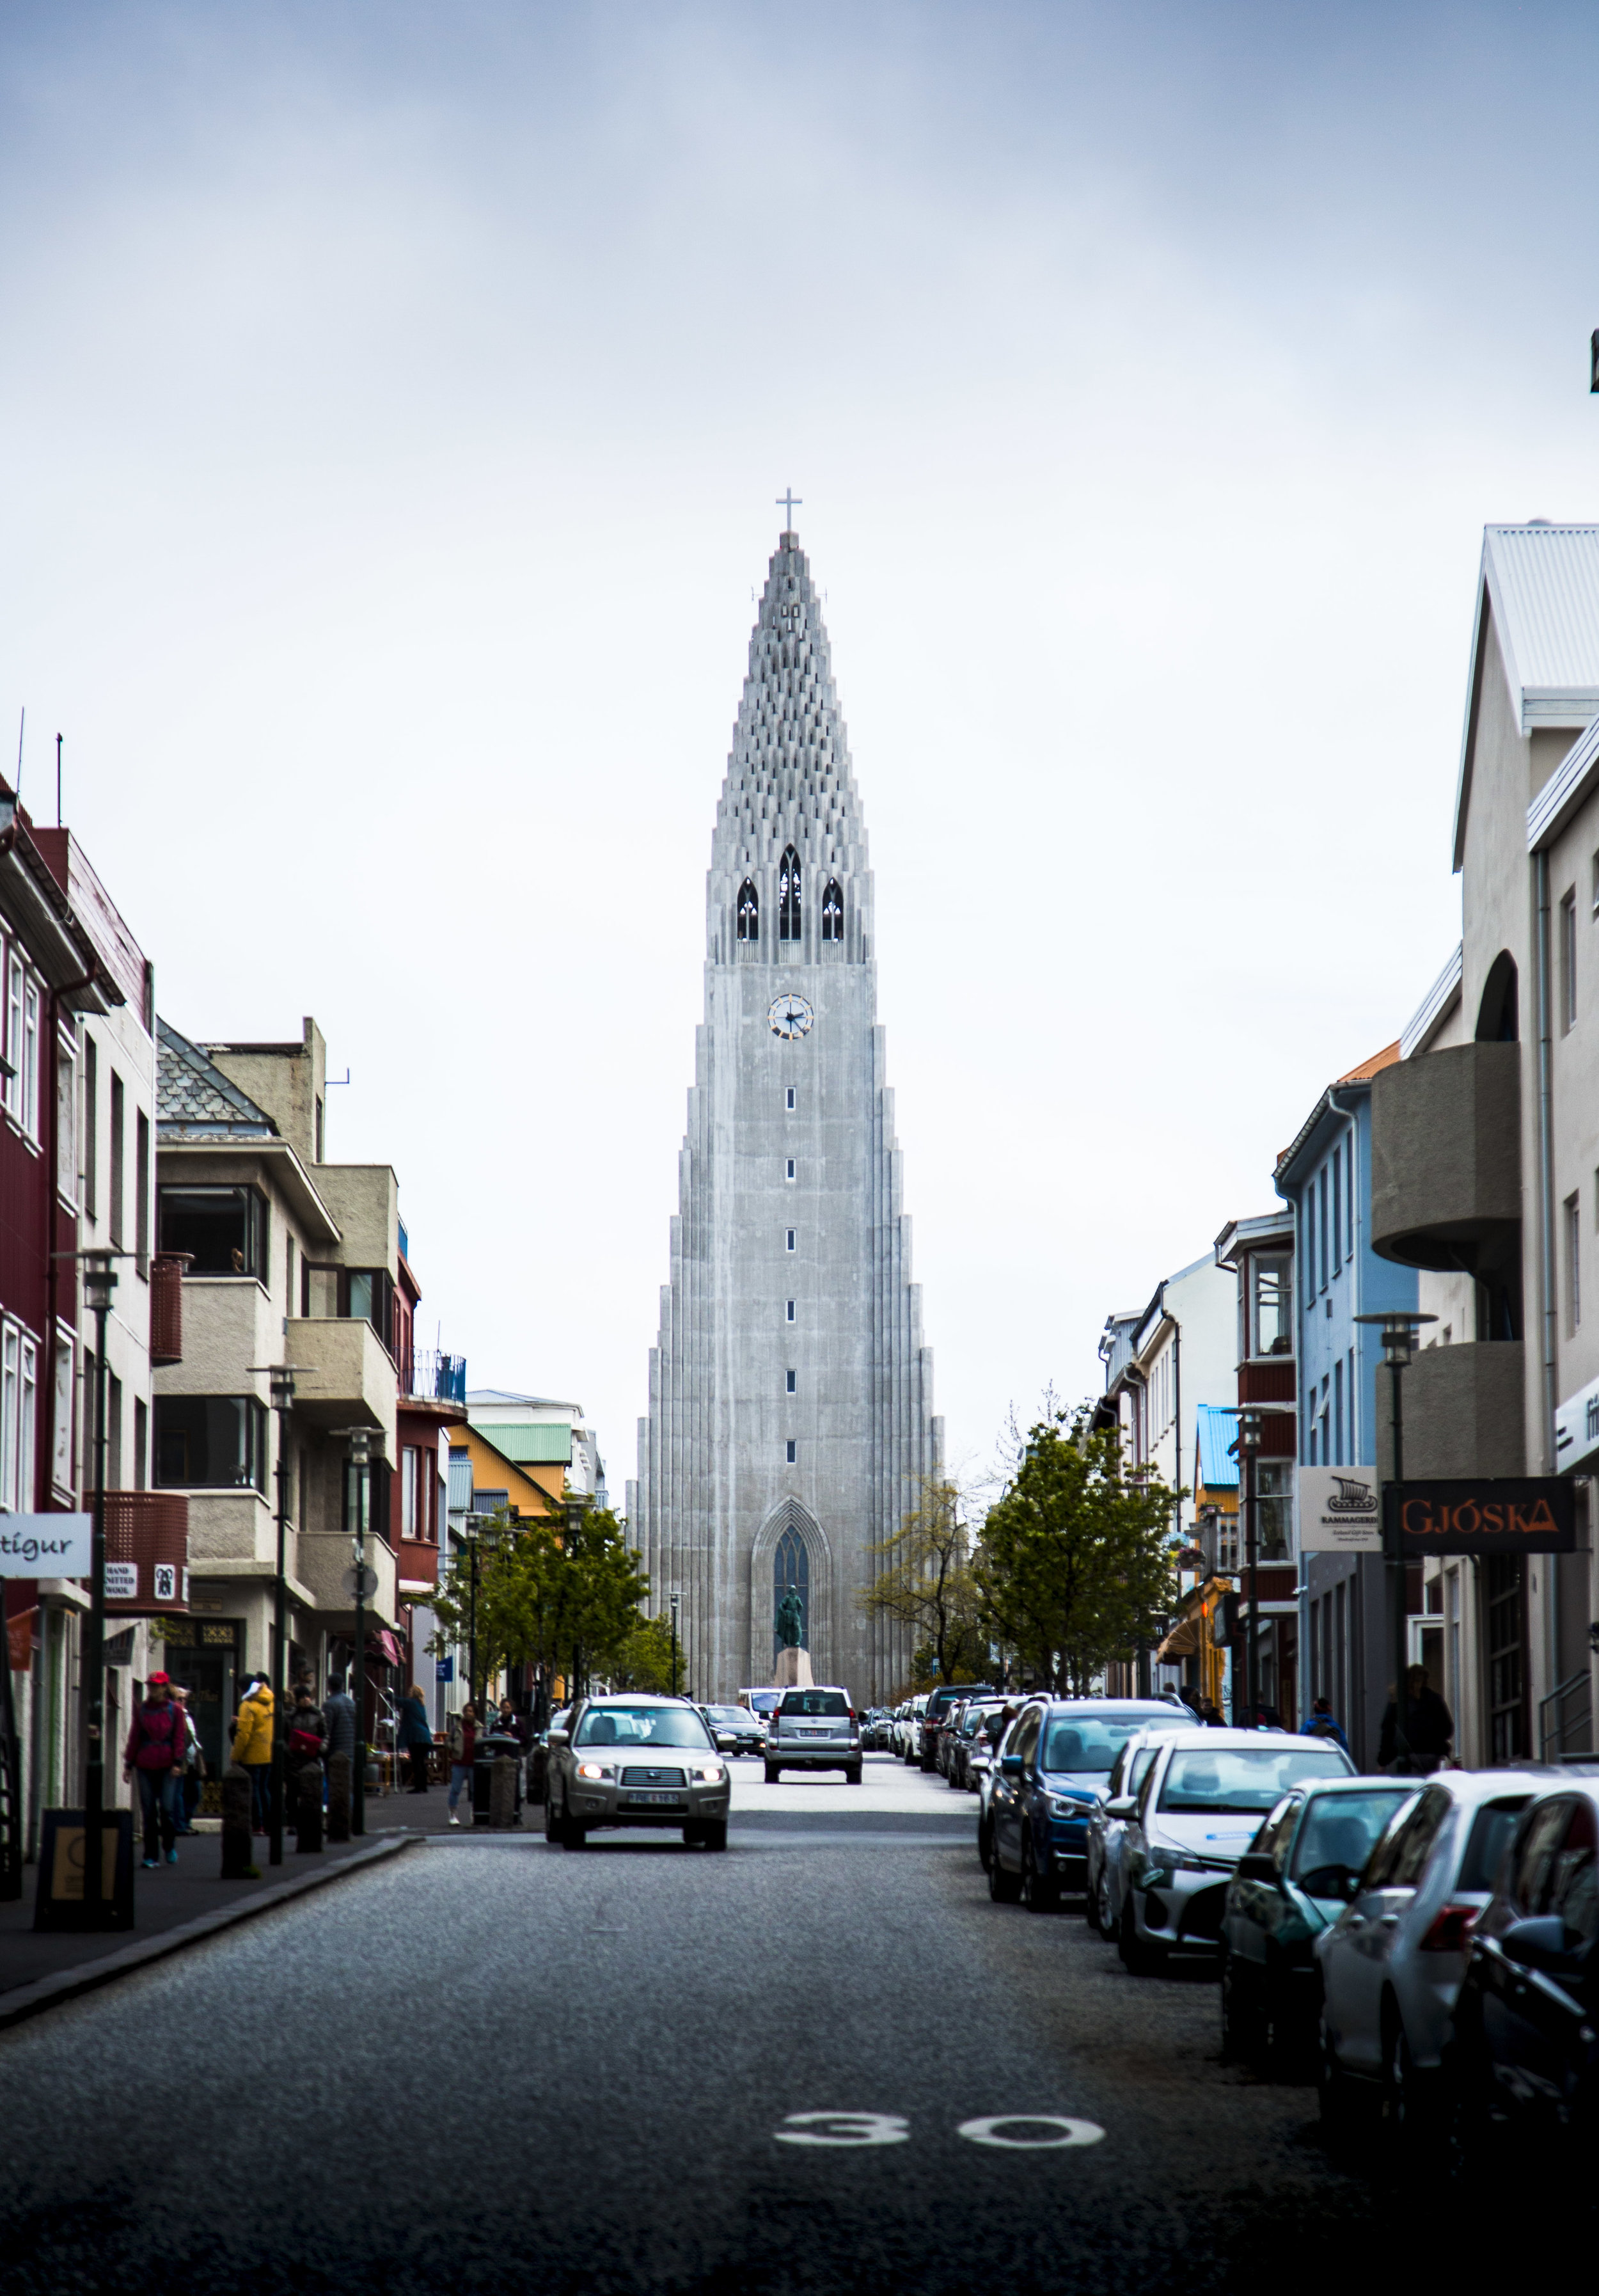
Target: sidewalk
(174, 1906)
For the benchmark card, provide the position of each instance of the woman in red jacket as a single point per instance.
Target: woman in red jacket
(157, 1748)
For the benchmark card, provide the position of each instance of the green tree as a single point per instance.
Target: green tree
(925, 1582)
(565, 1600)
(1074, 1569)
(645, 1662)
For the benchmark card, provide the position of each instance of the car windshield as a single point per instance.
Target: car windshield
(1089, 1744)
(1336, 1837)
(815, 1701)
(731, 1717)
(642, 1726)
(1241, 1778)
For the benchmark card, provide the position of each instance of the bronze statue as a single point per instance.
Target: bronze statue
(790, 1620)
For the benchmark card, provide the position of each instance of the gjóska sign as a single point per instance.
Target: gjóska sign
(1498, 1515)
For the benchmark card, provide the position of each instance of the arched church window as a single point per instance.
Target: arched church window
(833, 912)
(790, 1575)
(749, 912)
(788, 896)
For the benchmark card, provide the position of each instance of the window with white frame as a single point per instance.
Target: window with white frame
(28, 1424)
(28, 1108)
(66, 1118)
(61, 1409)
(11, 1414)
(13, 1033)
(1574, 1223)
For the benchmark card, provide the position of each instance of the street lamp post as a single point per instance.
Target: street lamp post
(99, 1281)
(1399, 1328)
(574, 1536)
(360, 1457)
(674, 1645)
(280, 1378)
(1248, 1445)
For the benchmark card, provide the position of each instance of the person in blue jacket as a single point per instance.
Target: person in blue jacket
(1321, 1722)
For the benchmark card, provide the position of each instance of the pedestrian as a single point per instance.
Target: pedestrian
(464, 1748)
(1211, 1715)
(1321, 1722)
(157, 1748)
(339, 1715)
(307, 1738)
(194, 1769)
(508, 1722)
(252, 1746)
(415, 1736)
(1429, 1729)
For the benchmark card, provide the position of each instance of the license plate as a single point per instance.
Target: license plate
(661, 1801)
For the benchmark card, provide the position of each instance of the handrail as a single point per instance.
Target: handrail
(1557, 1730)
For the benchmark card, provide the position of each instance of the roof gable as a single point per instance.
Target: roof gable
(194, 1099)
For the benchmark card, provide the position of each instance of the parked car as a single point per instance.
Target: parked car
(1057, 1768)
(937, 1710)
(970, 1733)
(912, 1728)
(1392, 1962)
(1106, 1835)
(988, 1779)
(983, 1744)
(814, 1729)
(1200, 1807)
(636, 1760)
(735, 1729)
(881, 1735)
(1294, 1880)
(1524, 2062)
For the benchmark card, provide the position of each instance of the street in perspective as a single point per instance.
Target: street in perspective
(1126, 1825)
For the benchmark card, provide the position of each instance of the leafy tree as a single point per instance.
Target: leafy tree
(1074, 1569)
(926, 1583)
(645, 1662)
(565, 1600)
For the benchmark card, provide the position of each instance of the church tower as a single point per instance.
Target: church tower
(790, 1427)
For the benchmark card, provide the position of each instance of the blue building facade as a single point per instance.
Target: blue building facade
(1325, 1176)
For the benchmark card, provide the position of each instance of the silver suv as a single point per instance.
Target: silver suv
(636, 1760)
(815, 1729)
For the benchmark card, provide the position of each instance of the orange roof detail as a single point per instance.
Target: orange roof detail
(1385, 1059)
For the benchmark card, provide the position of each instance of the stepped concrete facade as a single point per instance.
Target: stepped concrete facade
(790, 1423)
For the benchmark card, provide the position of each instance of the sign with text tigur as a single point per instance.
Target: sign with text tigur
(1484, 1516)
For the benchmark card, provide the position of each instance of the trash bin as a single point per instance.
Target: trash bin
(488, 1751)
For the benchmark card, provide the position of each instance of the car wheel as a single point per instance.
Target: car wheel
(714, 1834)
(1408, 2111)
(1003, 1888)
(852, 1775)
(1041, 1893)
(985, 1845)
(574, 1837)
(1242, 2031)
(1092, 1913)
(1138, 1957)
(554, 1824)
(773, 1774)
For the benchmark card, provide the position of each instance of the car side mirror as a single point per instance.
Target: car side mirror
(558, 1738)
(1122, 1806)
(1011, 1766)
(1538, 1942)
(1257, 1865)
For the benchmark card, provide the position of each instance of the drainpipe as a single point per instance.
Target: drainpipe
(1545, 1217)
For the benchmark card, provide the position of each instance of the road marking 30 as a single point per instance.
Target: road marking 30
(1063, 2132)
(843, 2128)
(1007, 2132)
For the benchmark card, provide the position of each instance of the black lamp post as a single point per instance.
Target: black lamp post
(674, 1645)
(1248, 1445)
(99, 1281)
(574, 1539)
(281, 1381)
(360, 1457)
(1398, 1329)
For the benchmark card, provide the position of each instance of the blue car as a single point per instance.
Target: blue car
(1056, 1770)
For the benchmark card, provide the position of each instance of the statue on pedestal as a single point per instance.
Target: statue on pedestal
(790, 1620)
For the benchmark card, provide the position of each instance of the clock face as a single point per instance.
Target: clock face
(790, 1016)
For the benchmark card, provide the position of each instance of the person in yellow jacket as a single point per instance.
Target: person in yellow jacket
(252, 1746)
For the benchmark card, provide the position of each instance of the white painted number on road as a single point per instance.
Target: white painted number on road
(842, 2129)
(1028, 2128)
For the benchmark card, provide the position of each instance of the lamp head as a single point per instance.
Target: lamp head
(99, 1279)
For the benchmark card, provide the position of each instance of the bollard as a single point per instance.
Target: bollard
(309, 1805)
(238, 1860)
(338, 1770)
(502, 1795)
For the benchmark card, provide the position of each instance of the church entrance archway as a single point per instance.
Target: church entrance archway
(790, 1575)
(791, 1551)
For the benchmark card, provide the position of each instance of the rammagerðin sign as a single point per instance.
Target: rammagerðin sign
(1484, 1516)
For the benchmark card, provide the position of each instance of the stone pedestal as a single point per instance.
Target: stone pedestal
(792, 1670)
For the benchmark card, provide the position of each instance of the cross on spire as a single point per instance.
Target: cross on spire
(790, 502)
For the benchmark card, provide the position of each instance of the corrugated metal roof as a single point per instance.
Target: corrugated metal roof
(1217, 1427)
(1544, 581)
(546, 1444)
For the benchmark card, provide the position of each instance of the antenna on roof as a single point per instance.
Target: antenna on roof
(21, 729)
(1594, 361)
(58, 780)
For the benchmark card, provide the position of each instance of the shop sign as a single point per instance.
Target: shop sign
(1485, 1515)
(121, 1582)
(1576, 1429)
(444, 1669)
(46, 1545)
(1339, 1510)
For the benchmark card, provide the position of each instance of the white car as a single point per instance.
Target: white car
(1392, 1962)
(1199, 1808)
(1107, 1835)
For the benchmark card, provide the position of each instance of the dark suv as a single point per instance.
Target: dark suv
(944, 1699)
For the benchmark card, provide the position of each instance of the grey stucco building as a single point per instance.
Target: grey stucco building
(790, 1422)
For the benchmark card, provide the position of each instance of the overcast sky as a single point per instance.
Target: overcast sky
(394, 399)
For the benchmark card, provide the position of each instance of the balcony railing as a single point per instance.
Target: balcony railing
(428, 1372)
(146, 1551)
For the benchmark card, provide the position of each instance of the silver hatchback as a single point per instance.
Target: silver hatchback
(636, 1760)
(814, 1729)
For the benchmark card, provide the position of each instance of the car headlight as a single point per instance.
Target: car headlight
(709, 1774)
(1067, 1806)
(596, 1770)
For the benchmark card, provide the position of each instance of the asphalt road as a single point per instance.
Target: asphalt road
(494, 2066)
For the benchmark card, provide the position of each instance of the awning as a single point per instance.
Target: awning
(1182, 1642)
(383, 1642)
(1191, 1630)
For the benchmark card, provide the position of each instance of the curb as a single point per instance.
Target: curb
(44, 1993)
